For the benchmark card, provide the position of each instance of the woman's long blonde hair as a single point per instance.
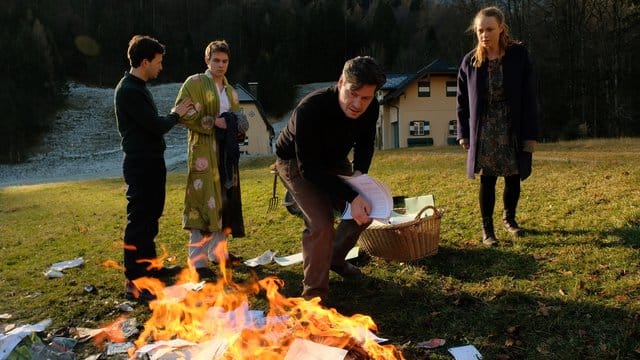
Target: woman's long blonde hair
(505, 40)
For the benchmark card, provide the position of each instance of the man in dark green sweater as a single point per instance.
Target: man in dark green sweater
(144, 170)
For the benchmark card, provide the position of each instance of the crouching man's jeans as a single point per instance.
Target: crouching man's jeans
(322, 245)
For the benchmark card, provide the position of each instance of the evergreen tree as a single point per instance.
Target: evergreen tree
(34, 80)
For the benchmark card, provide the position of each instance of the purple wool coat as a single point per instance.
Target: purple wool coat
(519, 90)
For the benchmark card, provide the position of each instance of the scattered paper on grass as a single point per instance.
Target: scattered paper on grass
(11, 339)
(270, 256)
(53, 274)
(288, 260)
(5, 328)
(125, 307)
(129, 327)
(63, 265)
(64, 344)
(119, 348)
(263, 259)
(56, 270)
(431, 344)
(466, 352)
(84, 334)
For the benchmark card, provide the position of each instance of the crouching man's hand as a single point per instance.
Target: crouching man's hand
(360, 210)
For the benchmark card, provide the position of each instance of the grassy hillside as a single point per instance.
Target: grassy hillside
(569, 289)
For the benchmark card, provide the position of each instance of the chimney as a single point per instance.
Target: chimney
(253, 88)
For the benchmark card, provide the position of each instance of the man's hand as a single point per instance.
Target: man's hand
(185, 105)
(360, 209)
(221, 123)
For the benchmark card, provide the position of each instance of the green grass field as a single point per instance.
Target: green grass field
(569, 289)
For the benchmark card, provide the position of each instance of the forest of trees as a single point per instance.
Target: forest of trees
(586, 52)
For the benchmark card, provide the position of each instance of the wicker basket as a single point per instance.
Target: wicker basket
(411, 240)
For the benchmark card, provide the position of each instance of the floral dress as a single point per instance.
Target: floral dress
(496, 142)
(203, 195)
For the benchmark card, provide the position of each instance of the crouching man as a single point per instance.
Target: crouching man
(312, 151)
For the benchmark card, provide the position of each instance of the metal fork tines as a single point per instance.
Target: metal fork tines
(273, 202)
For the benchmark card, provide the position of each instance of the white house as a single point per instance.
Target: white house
(260, 136)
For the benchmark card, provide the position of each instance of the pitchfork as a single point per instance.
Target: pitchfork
(273, 202)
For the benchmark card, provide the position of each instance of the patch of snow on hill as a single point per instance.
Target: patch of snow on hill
(84, 142)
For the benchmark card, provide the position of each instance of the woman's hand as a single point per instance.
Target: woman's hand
(464, 143)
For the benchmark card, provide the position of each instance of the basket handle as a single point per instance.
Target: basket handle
(435, 211)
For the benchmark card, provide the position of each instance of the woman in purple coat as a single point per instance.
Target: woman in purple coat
(497, 116)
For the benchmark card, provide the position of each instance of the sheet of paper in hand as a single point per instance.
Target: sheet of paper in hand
(377, 194)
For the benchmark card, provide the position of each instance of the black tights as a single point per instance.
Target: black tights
(510, 196)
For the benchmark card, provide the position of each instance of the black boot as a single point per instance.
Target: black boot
(347, 234)
(510, 198)
(488, 235)
(487, 202)
(511, 226)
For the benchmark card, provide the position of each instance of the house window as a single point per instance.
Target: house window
(452, 88)
(453, 128)
(244, 145)
(424, 88)
(419, 128)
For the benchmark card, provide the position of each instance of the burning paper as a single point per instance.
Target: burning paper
(158, 349)
(215, 316)
(432, 343)
(308, 350)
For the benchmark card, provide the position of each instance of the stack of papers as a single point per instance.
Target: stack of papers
(376, 193)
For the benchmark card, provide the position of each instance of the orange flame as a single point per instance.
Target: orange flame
(156, 263)
(129, 247)
(219, 311)
(112, 264)
(111, 331)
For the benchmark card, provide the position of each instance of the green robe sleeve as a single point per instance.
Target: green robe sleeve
(202, 119)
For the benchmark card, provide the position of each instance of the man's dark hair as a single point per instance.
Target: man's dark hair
(363, 70)
(143, 47)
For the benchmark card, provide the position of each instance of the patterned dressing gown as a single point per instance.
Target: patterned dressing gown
(203, 196)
